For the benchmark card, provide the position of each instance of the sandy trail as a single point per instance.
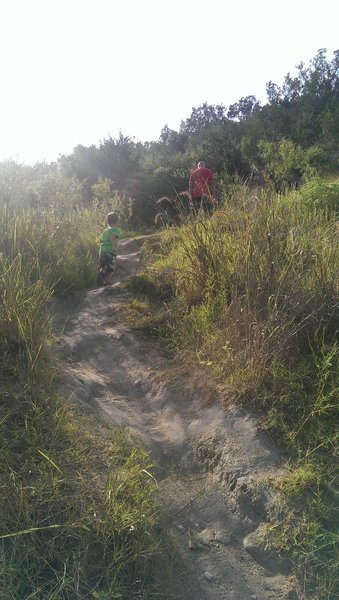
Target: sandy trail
(212, 462)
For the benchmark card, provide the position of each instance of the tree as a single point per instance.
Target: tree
(202, 116)
(243, 109)
(284, 161)
(300, 107)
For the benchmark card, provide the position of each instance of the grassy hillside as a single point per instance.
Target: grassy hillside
(249, 297)
(76, 501)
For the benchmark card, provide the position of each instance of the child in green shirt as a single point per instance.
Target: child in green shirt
(109, 244)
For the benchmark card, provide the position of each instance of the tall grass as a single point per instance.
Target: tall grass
(259, 275)
(64, 241)
(24, 322)
(76, 500)
(77, 509)
(254, 302)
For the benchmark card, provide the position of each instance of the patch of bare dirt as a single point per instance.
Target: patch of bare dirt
(212, 463)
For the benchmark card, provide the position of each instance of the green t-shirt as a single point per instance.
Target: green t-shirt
(105, 243)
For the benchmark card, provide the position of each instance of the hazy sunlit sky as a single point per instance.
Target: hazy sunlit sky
(78, 71)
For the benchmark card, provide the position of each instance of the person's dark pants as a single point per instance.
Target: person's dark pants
(202, 202)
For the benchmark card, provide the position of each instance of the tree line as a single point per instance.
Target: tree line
(291, 137)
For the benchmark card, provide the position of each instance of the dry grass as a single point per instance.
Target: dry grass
(254, 300)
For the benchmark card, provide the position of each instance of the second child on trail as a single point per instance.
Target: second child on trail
(109, 245)
(201, 187)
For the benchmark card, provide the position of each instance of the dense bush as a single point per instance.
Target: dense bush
(320, 194)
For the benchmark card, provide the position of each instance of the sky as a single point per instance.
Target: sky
(79, 71)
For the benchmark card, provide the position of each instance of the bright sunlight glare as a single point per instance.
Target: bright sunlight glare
(78, 71)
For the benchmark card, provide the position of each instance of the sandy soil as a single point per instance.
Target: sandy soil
(212, 462)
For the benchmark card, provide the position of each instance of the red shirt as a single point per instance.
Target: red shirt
(201, 182)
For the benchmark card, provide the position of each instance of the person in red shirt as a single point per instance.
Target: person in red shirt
(201, 187)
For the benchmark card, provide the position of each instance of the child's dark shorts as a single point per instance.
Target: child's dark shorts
(108, 261)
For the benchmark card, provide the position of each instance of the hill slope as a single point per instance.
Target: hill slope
(212, 463)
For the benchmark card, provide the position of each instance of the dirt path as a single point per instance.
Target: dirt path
(212, 462)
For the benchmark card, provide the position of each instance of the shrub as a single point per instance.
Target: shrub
(320, 194)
